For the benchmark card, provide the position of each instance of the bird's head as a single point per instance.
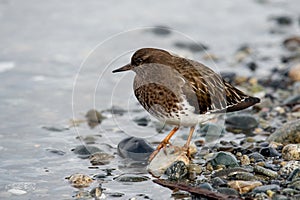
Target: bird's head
(143, 57)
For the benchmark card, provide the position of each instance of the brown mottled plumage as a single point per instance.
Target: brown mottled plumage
(180, 91)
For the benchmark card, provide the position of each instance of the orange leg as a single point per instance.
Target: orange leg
(187, 144)
(163, 143)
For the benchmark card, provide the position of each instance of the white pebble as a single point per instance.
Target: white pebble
(17, 191)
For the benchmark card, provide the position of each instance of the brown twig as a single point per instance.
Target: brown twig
(196, 190)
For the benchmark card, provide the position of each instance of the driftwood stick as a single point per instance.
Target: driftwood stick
(196, 190)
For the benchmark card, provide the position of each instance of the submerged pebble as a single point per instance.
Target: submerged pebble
(224, 158)
(84, 151)
(131, 178)
(135, 148)
(100, 158)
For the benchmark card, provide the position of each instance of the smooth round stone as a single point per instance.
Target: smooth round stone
(94, 118)
(177, 171)
(100, 158)
(291, 152)
(161, 30)
(142, 121)
(289, 168)
(269, 152)
(256, 157)
(288, 133)
(224, 158)
(265, 188)
(135, 148)
(131, 178)
(84, 151)
(241, 122)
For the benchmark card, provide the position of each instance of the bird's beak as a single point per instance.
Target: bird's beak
(124, 68)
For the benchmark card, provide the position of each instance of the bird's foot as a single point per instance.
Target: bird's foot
(163, 145)
(186, 149)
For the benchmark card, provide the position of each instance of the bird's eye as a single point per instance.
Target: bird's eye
(138, 61)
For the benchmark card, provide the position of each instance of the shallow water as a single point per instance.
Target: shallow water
(56, 60)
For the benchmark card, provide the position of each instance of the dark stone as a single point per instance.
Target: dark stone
(131, 178)
(228, 76)
(257, 157)
(135, 148)
(241, 122)
(228, 191)
(177, 171)
(217, 181)
(142, 121)
(84, 151)
(56, 151)
(193, 47)
(293, 100)
(294, 175)
(55, 128)
(252, 66)
(269, 152)
(224, 158)
(283, 20)
(116, 110)
(288, 133)
(265, 188)
(161, 30)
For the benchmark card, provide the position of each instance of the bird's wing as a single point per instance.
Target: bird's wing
(208, 92)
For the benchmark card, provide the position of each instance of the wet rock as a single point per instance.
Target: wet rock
(161, 30)
(135, 148)
(206, 186)
(193, 47)
(84, 151)
(142, 121)
(165, 158)
(116, 110)
(244, 176)
(289, 168)
(264, 171)
(291, 152)
(56, 151)
(292, 100)
(265, 188)
(224, 158)
(96, 192)
(225, 172)
(283, 20)
(252, 66)
(244, 186)
(294, 175)
(177, 171)
(217, 181)
(269, 152)
(256, 157)
(228, 76)
(116, 194)
(245, 160)
(294, 72)
(55, 128)
(100, 158)
(195, 168)
(79, 180)
(238, 123)
(295, 184)
(288, 133)
(94, 118)
(228, 191)
(131, 178)
(292, 43)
